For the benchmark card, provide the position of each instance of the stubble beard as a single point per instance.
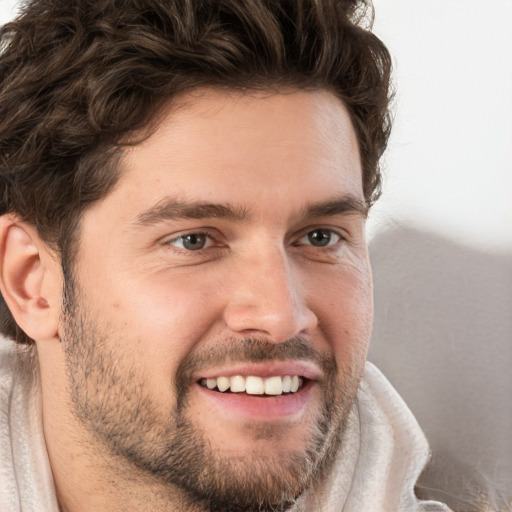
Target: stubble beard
(110, 399)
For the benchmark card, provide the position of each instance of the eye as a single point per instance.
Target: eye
(191, 241)
(320, 238)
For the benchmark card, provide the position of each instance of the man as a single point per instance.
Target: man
(188, 295)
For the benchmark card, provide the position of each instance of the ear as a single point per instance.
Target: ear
(30, 279)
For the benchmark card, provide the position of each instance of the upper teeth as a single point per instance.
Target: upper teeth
(253, 385)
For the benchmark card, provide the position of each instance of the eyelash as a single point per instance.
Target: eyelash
(208, 235)
(330, 231)
(192, 233)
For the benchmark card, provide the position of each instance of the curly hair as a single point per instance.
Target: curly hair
(78, 77)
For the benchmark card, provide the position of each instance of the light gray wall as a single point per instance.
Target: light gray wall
(7, 8)
(442, 335)
(441, 240)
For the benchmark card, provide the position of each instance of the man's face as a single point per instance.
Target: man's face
(231, 251)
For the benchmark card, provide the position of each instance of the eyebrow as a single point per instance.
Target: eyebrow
(173, 209)
(344, 205)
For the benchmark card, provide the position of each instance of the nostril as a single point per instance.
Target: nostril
(275, 326)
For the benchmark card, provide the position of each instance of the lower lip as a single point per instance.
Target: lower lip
(261, 408)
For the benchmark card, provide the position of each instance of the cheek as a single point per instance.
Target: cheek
(343, 303)
(154, 322)
(162, 318)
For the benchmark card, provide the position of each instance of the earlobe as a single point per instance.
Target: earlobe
(28, 279)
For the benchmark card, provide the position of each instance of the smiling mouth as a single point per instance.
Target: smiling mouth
(254, 385)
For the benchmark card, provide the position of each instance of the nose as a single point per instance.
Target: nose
(267, 298)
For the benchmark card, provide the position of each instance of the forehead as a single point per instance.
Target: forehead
(216, 146)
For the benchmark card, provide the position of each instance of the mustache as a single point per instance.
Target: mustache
(251, 350)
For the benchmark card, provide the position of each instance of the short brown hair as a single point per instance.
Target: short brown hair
(78, 76)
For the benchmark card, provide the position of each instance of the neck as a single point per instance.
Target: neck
(86, 475)
(89, 480)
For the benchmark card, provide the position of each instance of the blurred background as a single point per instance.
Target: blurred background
(441, 240)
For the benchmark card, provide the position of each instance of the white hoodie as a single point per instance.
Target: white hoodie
(383, 450)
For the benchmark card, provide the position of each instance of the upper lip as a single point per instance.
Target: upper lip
(266, 369)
